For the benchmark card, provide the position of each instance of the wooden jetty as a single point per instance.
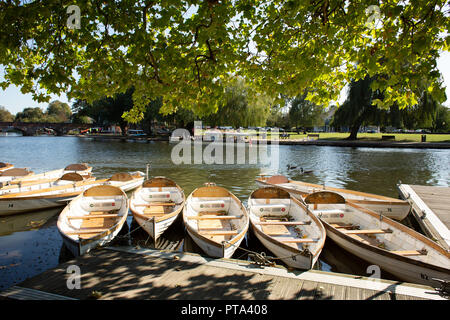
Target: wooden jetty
(431, 209)
(135, 273)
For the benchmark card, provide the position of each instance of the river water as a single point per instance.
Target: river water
(30, 243)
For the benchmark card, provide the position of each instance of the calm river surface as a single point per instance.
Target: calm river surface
(30, 243)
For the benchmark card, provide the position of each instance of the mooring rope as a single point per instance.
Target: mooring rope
(262, 257)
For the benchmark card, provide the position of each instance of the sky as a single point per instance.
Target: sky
(15, 101)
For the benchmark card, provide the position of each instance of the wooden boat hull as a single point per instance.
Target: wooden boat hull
(215, 199)
(26, 204)
(17, 203)
(156, 223)
(213, 249)
(286, 227)
(79, 249)
(404, 270)
(103, 196)
(154, 227)
(6, 166)
(389, 207)
(381, 241)
(304, 262)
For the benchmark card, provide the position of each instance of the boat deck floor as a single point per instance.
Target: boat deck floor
(129, 273)
(97, 223)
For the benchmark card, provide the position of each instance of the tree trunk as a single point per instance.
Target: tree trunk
(354, 131)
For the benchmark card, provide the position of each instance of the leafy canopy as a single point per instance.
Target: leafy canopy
(188, 51)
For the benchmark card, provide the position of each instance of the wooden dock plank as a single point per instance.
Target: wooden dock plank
(435, 203)
(152, 274)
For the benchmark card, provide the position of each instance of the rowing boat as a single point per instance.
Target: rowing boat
(5, 166)
(44, 183)
(215, 220)
(286, 227)
(93, 218)
(9, 175)
(126, 181)
(381, 241)
(21, 175)
(60, 195)
(390, 207)
(156, 205)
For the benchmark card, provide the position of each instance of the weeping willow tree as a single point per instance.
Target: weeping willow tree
(241, 107)
(359, 108)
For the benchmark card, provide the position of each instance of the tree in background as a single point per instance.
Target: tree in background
(304, 113)
(441, 122)
(359, 108)
(188, 52)
(241, 107)
(5, 115)
(58, 111)
(31, 115)
(107, 110)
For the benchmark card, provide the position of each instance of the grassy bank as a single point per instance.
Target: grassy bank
(401, 137)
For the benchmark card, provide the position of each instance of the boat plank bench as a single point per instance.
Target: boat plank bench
(219, 233)
(215, 217)
(387, 137)
(369, 231)
(94, 216)
(304, 240)
(344, 226)
(86, 231)
(286, 223)
(410, 252)
(152, 204)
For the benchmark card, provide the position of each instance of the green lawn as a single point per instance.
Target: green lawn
(405, 137)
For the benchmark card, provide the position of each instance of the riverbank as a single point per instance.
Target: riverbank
(367, 144)
(318, 142)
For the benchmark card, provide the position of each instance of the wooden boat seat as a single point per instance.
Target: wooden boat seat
(273, 218)
(152, 204)
(275, 230)
(303, 240)
(81, 232)
(344, 226)
(368, 231)
(411, 252)
(154, 210)
(215, 217)
(94, 216)
(285, 223)
(213, 213)
(220, 233)
(328, 211)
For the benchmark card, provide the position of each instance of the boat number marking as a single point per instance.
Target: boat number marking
(389, 209)
(10, 205)
(424, 276)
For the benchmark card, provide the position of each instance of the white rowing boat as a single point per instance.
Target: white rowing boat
(58, 196)
(381, 241)
(20, 175)
(9, 175)
(156, 205)
(93, 218)
(43, 184)
(285, 227)
(390, 207)
(5, 166)
(215, 220)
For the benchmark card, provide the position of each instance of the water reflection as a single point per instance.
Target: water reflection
(30, 243)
